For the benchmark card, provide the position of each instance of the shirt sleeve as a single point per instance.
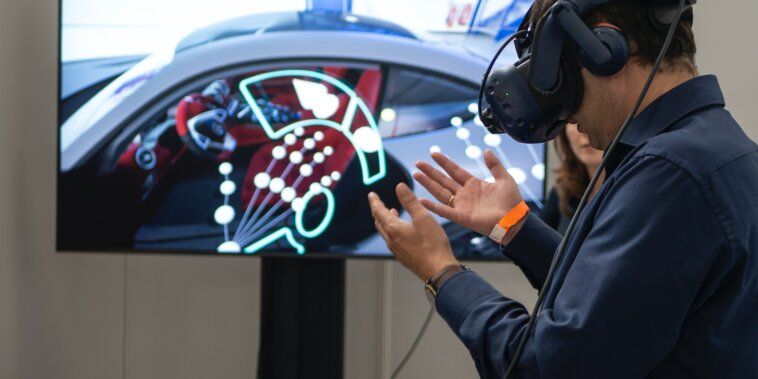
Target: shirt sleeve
(532, 249)
(551, 212)
(620, 307)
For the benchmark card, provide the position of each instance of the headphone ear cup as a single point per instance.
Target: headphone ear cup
(616, 44)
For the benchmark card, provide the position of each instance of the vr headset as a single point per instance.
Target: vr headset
(532, 99)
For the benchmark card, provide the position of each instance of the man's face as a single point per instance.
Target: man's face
(602, 110)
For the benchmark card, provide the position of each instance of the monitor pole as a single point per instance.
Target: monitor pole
(302, 318)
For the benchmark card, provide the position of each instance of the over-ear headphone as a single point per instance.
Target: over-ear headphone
(532, 100)
(618, 46)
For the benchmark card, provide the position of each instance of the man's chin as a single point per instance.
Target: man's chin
(598, 145)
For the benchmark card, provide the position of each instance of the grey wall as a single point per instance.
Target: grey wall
(117, 316)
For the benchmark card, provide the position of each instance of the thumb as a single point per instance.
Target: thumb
(409, 201)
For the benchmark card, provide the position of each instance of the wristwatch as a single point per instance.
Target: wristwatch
(434, 283)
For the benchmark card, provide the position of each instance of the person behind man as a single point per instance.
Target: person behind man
(660, 277)
(579, 161)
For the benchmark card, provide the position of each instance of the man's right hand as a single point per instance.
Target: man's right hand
(476, 204)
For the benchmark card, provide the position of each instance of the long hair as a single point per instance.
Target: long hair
(572, 177)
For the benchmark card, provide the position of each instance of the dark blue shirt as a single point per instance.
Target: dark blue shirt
(660, 276)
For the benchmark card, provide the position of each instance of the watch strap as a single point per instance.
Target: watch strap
(434, 283)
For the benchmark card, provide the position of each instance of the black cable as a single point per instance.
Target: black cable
(414, 344)
(562, 246)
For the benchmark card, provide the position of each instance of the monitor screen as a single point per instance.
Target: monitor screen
(246, 127)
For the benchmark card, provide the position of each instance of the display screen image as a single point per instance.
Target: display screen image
(262, 129)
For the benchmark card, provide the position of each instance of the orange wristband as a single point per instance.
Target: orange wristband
(506, 223)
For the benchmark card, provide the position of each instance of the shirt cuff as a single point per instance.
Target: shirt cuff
(460, 293)
(532, 249)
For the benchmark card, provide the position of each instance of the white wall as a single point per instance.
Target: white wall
(113, 316)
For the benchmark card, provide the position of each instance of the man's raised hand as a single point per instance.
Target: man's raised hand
(464, 199)
(420, 245)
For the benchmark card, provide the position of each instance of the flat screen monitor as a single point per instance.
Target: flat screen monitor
(254, 127)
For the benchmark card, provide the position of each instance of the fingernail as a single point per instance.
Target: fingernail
(371, 195)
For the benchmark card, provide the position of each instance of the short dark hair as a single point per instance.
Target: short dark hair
(632, 17)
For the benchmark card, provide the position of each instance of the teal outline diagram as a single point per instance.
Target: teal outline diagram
(370, 173)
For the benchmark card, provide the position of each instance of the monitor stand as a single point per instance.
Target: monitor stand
(302, 318)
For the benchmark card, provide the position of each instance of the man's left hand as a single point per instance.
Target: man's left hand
(421, 245)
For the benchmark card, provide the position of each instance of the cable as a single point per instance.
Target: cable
(414, 344)
(562, 246)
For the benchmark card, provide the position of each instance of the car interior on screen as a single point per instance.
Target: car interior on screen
(278, 159)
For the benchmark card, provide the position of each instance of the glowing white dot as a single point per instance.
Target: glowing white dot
(225, 168)
(298, 204)
(288, 194)
(478, 121)
(224, 214)
(319, 157)
(306, 170)
(538, 171)
(229, 247)
(388, 114)
(261, 180)
(296, 157)
(435, 149)
(227, 187)
(490, 179)
(336, 175)
(318, 136)
(367, 139)
(328, 151)
(473, 108)
(518, 175)
(473, 152)
(315, 187)
(276, 185)
(326, 181)
(456, 121)
(493, 140)
(309, 143)
(462, 133)
(290, 139)
(299, 131)
(279, 152)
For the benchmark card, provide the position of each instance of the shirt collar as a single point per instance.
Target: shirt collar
(685, 99)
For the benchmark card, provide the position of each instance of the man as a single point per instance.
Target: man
(660, 277)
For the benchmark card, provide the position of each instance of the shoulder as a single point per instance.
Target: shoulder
(702, 143)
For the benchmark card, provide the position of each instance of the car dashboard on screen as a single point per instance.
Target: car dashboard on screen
(271, 156)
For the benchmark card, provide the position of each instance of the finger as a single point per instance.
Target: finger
(496, 168)
(440, 193)
(395, 212)
(382, 232)
(439, 209)
(409, 201)
(458, 174)
(379, 210)
(443, 180)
